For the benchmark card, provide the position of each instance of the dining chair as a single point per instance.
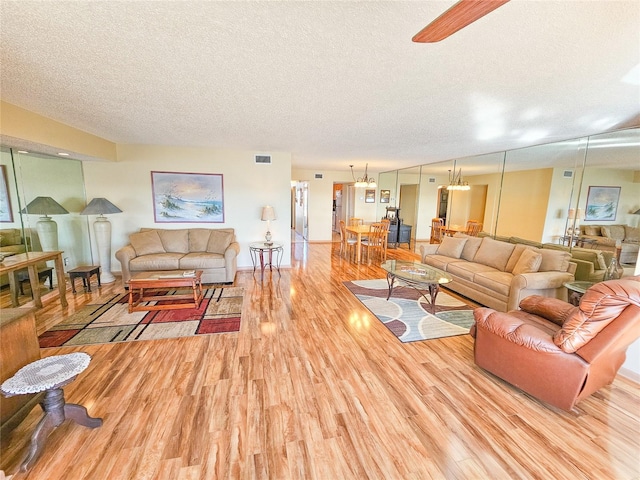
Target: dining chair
(354, 221)
(437, 227)
(347, 242)
(375, 240)
(473, 228)
(387, 224)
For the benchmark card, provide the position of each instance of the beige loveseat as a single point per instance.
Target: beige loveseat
(500, 274)
(214, 251)
(607, 236)
(11, 242)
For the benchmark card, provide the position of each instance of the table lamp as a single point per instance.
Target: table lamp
(268, 214)
(47, 229)
(102, 230)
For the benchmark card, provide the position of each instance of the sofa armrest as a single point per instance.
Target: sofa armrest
(124, 256)
(584, 269)
(429, 249)
(552, 309)
(514, 330)
(231, 261)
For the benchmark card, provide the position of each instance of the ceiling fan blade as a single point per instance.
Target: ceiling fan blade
(459, 16)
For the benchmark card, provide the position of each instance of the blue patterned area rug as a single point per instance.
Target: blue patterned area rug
(407, 314)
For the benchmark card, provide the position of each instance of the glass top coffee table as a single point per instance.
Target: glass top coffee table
(417, 275)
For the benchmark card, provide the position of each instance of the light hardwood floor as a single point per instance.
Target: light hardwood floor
(314, 387)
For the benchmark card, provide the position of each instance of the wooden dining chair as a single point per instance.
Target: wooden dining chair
(437, 230)
(354, 221)
(347, 241)
(375, 241)
(387, 224)
(473, 228)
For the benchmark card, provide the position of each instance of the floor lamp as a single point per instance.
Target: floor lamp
(47, 229)
(102, 230)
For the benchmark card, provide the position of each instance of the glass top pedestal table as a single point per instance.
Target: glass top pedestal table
(258, 250)
(417, 275)
(576, 290)
(49, 375)
(165, 280)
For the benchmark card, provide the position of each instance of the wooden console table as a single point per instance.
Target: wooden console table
(11, 265)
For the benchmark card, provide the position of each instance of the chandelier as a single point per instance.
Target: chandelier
(456, 182)
(365, 181)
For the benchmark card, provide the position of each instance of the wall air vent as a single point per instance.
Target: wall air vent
(318, 176)
(263, 159)
(432, 180)
(567, 174)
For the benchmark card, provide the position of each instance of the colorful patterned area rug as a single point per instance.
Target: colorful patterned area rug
(109, 320)
(406, 314)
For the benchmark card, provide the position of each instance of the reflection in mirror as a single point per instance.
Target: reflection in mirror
(387, 187)
(538, 190)
(62, 180)
(433, 200)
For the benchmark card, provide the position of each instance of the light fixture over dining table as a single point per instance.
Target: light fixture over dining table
(365, 181)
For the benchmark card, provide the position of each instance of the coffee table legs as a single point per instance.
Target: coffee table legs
(433, 289)
(56, 411)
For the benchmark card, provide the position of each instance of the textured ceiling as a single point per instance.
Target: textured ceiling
(332, 82)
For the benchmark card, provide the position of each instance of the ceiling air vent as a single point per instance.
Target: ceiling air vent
(263, 159)
(318, 176)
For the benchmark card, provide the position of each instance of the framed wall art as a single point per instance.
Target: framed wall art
(370, 196)
(6, 213)
(187, 197)
(602, 203)
(384, 196)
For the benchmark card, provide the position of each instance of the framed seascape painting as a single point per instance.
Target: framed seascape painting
(187, 197)
(6, 214)
(370, 196)
(384, 196)
(602, 203)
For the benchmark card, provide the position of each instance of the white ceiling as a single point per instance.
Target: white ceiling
(335, 83)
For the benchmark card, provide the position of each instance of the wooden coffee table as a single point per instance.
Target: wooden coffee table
(147, 284)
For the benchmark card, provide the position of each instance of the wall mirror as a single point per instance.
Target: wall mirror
(32, 175)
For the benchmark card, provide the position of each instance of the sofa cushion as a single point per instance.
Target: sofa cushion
(156, 261)
(594, 230)
(494, 253)
(198, 239)
(529, 262)
(10, 236)
(614, 231)
(219, 240)
(451, 247)
(631, 234)
(471, 246)
(515, 256)
(468, 270)
(202, 260)
(175, 240)
(497, 281)
(590, 255)
(146, 243)
(554, 260)
(437, 261)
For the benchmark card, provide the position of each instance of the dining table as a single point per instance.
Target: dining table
(358, 231)
(451, 230)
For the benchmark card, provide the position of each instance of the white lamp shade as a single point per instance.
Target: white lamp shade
(268, 213)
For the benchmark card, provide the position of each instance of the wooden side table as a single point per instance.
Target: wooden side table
(85, 273)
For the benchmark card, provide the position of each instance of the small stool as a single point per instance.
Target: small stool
(22, 276)
(85, 273)
(49, 375)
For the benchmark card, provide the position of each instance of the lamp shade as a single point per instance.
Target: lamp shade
(637, 212)
(100, 206)
(268, 213)
(44, 206)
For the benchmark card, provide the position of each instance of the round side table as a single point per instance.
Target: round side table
(258, 250)
(49, 375)
(576, 290)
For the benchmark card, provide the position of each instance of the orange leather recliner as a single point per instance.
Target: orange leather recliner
(556, 352)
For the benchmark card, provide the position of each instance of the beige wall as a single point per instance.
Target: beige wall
(247, 188)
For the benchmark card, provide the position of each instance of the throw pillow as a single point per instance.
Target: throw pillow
(219, 240)
(146, 243)
(175, 241)
(554, 260)
(451, 247)
(631, 234)
(494, 253)
(529, 262)
(594, 230)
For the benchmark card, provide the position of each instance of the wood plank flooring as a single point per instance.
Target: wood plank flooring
(314, 387)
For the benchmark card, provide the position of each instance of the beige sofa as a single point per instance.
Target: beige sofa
(607, 236)
(214, 251)
(500, 274)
